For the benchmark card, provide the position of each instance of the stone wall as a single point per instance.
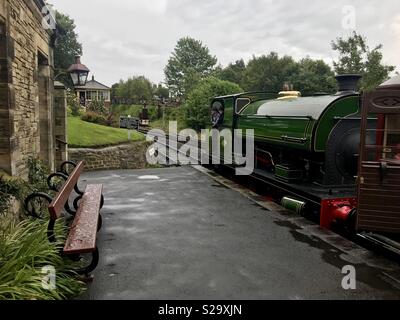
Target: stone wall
(26, 86)
(126, 156)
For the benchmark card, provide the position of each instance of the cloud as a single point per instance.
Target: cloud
(122, 38)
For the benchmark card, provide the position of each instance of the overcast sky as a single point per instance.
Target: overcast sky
(122, 38)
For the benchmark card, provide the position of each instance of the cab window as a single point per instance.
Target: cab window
(252, 108)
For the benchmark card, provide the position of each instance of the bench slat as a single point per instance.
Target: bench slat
(57, 205)
(82, 234)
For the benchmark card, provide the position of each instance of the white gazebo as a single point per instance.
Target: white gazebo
(93, 91)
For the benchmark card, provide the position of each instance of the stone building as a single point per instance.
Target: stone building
(32, 110)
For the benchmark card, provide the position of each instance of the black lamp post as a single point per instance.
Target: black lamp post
(78, 72)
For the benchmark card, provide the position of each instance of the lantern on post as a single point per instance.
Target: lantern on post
(78, 72)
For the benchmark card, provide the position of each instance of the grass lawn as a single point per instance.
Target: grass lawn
(85, 134)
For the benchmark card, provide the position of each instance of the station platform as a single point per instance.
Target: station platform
(180, 233)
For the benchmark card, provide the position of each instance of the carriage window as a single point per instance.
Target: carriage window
(392, 137)
(241, 103)
(252, 108)
(383, 141)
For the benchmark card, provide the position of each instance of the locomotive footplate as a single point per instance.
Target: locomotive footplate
(308, 192)
(333, 205)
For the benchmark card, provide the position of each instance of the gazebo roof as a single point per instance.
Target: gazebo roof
(93, 85)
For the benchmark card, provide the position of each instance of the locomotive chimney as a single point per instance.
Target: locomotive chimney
(348, 83)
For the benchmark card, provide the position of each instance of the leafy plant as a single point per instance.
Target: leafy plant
(73, 104)
(10, 188)
(24, 251)
(25, 248)
(94, 117)
(98, 107)
(37, 175)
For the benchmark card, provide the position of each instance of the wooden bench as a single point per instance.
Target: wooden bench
(86, 220)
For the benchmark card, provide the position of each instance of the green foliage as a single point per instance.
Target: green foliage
(12, 187)
(114, 88)
(234, 72)
(73, 103)
(136, 88)
(24, 246)
(37, 175)
(352, 53)
(82, 134)
(9, 188)
(268, 73)
(162, 92)
(24, 251)
(94, 117)
(189, 63)
(177, 114)
(355, 56)
(197, 105)
(97, 106)
(312, 76)
(67, 46)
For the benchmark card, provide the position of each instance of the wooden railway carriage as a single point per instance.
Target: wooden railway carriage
(379, 167)
(309, 147)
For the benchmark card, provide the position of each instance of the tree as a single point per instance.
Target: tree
(355, 56)
(114, 89)
(268, 73)
(312, 76)
(162, 92)
(136, 88)
(197, 105)
(190, 62)
(233, 72)
(67, 46)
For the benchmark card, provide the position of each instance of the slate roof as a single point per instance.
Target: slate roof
(93, 85)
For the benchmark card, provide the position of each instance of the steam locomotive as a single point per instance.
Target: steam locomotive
(308, 148)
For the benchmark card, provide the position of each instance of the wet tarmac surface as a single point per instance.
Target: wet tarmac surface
(176, 233)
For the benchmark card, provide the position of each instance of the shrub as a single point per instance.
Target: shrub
(98, 107)
(73, 104)
(37, 175)
(12, 187)
(197, 105)
(94, 117)
(9, 188)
